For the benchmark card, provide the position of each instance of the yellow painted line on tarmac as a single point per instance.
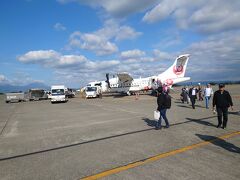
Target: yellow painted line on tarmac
(157, 157)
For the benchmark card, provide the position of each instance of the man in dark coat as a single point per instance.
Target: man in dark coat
(162, 108)
(193, 95)
(222, 100)
(184, 95)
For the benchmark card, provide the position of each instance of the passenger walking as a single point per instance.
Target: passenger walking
(188, 98)
(165, 88)
(208, 92)
(184, 95)
(222, 100)
(137, 95)
(200, 97)
(164, 103)
(100, 92)
(193, 96)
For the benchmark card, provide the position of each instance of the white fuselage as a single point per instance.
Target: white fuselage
(140, 84)
(174, 74)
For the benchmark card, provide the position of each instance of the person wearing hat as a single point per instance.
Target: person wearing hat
(222, 100)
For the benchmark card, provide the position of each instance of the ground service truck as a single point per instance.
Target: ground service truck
(93, 91)
(58, 94)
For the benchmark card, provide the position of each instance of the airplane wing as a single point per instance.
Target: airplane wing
(124, 77)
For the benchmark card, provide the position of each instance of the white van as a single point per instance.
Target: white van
(58, 94)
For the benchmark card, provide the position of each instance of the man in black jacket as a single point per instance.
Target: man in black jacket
(162, 108)
(222, 100)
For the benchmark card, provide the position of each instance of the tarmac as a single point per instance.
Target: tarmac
(115, 138)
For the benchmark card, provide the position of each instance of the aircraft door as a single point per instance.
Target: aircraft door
(104, 86)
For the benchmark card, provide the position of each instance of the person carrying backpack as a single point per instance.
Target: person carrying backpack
(164, 103)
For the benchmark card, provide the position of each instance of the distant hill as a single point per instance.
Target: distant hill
(189, 83)
(14, 88)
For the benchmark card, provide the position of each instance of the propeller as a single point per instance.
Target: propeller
(107, 81)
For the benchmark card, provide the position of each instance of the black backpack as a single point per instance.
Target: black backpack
(167, 103)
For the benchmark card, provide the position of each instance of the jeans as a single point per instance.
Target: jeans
(162, 115)
(207, 99)
(222, 112)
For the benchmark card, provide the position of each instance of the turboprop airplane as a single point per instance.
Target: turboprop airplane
(124, 83)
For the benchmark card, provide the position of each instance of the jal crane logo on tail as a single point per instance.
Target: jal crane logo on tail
(178, 70)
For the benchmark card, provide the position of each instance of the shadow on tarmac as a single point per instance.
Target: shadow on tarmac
(200, 121)
(190, 107)
(153, 123)
(234, 113)
(73, 145)
(220, 142)
(119, 96)
(178, 102)
(200, 106)
(184, 106)
(149, 122)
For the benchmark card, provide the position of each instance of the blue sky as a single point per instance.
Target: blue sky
(73, 42)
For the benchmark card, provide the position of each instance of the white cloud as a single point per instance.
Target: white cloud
(207, 16)
(117, 8)
(59, 27)
(71, 59)
(92, 42)
(217, 16)
(41, 55)
(51, 58)
(160, 55)
(99, 41)
(126, 32)
(160, 12)
(83, 70)
(136, 56)
(46, 59)
(169, 38)
(135, 53)
(216, 58)
(113, 30)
